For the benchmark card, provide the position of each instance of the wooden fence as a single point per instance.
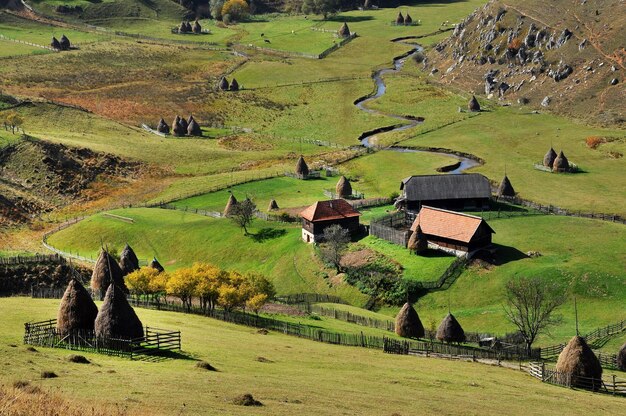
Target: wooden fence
(371, 202)
(611, 384)
(438, 349)
(34, 259)
(392, 228)
(595, 338)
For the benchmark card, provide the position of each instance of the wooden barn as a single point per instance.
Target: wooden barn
(323, 214)
(455, 192)
(453, 232)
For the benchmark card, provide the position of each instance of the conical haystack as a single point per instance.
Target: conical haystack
(418, 242)
(450, 330)
(105, 272)
(548, 159)
(473, 105)
(190, 119)
(188, 27)
(561, 164)
(302, 169)
(156, 265)
(234, 85)
(408, 324)
(505, 188)
(183, 124)
(178, 128)
(343, 188)
(273, 205)
(193, 129)
(77, 310)
(400, 19)
(65, 43)
(344, 31)
(367, 4)
(128, 260)
(232, 201)
(116, 318)
(621, 358)
(579, 364)
(182, 28)
(163, 127)
(408, 20)
(223, 85)
(197, 29)
(55, 44)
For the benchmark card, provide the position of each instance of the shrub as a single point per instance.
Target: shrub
(515, 44)
(236, 10)
(594, 141)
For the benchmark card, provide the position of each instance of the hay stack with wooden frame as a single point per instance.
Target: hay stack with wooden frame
(450, 330)
(116, 318)
(232, 201)
(65, 43)
(408, 323)
(55, 44)
(197, 29)
(156, 265)
(128, 260)
(473, 105)
(548, 159)
(505, 188)
(344, 31)
(400, 19)
(234, 85)
(408, 20)
(621, 358)
(223, 84)
(302, 169)
(77, 310)
(561, 164)
(273, 205)
(162, 127)
(417, 241)
(579, 365)
(193, 128)
(105, 272)
(343, 188)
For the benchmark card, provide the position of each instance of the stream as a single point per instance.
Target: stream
(464, 163)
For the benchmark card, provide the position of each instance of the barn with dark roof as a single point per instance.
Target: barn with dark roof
(323, 214)
(455, 192)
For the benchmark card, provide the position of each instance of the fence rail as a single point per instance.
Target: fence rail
(611, 384)
(594, 338)
(34, 259)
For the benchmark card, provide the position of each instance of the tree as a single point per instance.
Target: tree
(236, 10)
(336, 240)
(323, 7)
(183, 284)
(209, 278)
(14, 121)
(138, 282)
(256, 302)
(243, 214)
(530, 305)
(216, 6)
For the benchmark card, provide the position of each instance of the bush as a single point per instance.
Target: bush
(594, 141)
(515, 44)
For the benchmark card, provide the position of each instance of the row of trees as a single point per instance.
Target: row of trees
(209, 284)
(13, 121)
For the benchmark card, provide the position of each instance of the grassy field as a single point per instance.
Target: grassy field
(284, 385)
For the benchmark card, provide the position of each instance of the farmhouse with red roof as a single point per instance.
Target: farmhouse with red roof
(323, 214)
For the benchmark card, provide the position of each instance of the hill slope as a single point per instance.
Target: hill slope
(569, 51)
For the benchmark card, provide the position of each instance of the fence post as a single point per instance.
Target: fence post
(543, 372)
(614, 385)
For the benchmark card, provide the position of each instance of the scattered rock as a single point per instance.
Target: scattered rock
(546, 101)
(614, 81)
(533, 254)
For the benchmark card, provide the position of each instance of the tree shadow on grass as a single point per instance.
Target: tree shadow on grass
(347, 19)
(269, 233)
(506, 254)
(164, 355)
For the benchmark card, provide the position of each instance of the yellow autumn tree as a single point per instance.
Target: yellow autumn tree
(138, 282)
(235, 11)
(209, 278)
(256, 302)
(157, 286)
(182, 284)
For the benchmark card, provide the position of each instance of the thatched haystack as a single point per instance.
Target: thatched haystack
(177, 127)
(193, 129)
(273, 205)
(232, 201)
(367, 4)
(561, 164)
(344, 31)
(408, 324)
(450, 330)
(55, 44)
(65, 43)
(473, 105)
(116, 318)
(418, 242)
(343, 188)
(190, 119)
(156, 265)
(223, 85)
(128, 260)
(578, 363)
(400, 19)
(182, 28)
(163, 127)
(302, 169)
(77, 310)
(234, 85)
(105, 272)
(188, 27)
(548, 159)
(621, 358)
(408, 20)
(197, 29)
(183, 123)
(505, 188)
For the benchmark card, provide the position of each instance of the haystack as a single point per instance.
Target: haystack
(548, 159)
(223, 85)
(190, 119)
(182, 28)
(163, 127)
(193, 129)
(343, 188)
(188, 27)
(473, 105)
(232, 201)
(105, 272)
(621, 358)
(302, 168)
(344, 30)
(417, 242)
(77, 310)
(128, 260)
(117, 319)
(273, 205)
(183, 123)
(197, 29)
(408, 20)
(408, 324)
(578, 363)
(177, 128)
(505, 188)
(156, 265)
(65, 43)
(55, 44)
(367, 4)
(234, 85)
(561, 164)
(400, 19)
(450, 330)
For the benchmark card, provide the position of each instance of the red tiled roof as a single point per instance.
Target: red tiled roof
(329, 210)
(448, 224)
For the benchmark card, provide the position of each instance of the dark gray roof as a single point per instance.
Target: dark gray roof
(435, 187)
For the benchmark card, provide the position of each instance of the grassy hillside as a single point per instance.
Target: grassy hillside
(303, 377)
